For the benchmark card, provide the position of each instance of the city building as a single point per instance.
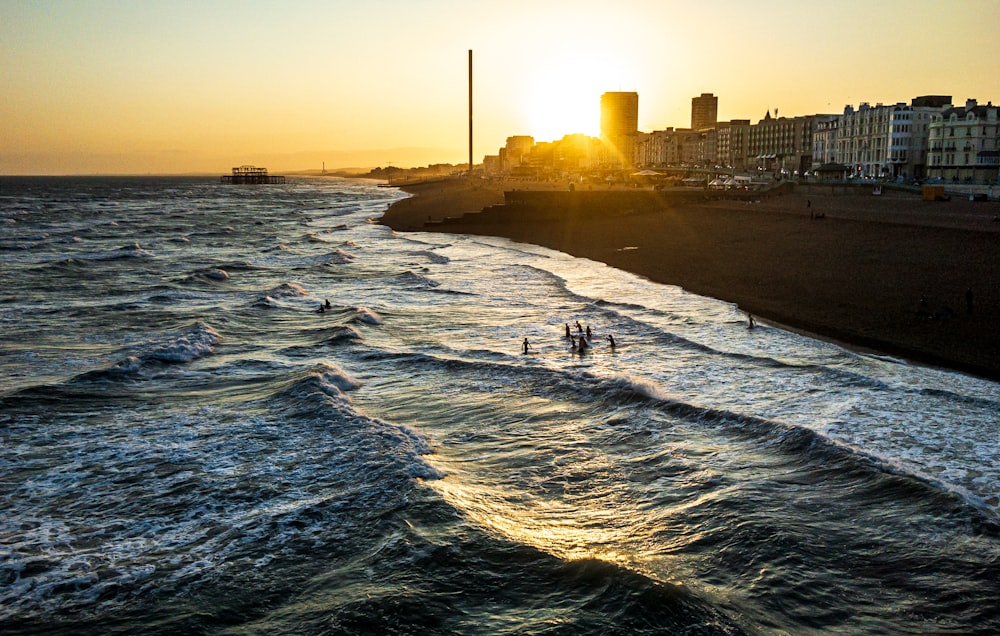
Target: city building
(887, 141)
(782, 146)
(825, 142)
(515, 152)
(927, 138)
(704, 111)
(732, 144)
(964, 144)
(619, 127)
(669, 147)
(492, 165)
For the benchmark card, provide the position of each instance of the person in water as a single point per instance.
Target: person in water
(751, 323)
(589, 334)
(526, 345)
(321, 308)
(327, 303)
(568, 334)
(581, 344)
(611, 341)
(579, 327)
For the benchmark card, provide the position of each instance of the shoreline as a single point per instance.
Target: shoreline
(854, 277)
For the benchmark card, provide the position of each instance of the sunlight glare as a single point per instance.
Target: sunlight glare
(564, 97)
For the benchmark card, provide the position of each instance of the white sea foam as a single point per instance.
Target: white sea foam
(365, 315)
(287, 290)
(332, 374)
(339, 257)
(198, 341)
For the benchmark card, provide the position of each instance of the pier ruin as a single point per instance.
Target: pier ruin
(251, 175)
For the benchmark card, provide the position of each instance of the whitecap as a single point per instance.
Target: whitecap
(345, 332)
(198, 341)
(365, 315)
(433, 257)
(287, 290)
(340, 257)
(334, 375)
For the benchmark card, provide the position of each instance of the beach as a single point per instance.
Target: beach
(891, 274)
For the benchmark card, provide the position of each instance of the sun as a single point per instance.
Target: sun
(564, 97)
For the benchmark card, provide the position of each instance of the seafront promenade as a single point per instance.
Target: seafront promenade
(889, 273)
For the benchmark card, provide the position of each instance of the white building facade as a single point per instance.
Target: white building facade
(887, 141)
(965, 144)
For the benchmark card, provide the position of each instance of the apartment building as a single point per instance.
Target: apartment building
(704, 111)
(887, 141)
(732, 145)
(965, 144)
(782, 145)
(669, 147)
(619, 127)
(515, 153)
(825, 141)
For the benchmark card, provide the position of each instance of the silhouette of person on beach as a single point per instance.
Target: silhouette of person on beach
(922, 306)
(526, 345)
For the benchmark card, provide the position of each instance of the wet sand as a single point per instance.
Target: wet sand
(855, 276)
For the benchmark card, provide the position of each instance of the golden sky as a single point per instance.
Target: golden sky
(167, 87)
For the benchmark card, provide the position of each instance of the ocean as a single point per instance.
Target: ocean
(189, 446)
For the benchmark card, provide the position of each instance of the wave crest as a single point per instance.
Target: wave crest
(367, 316)
(198, 341)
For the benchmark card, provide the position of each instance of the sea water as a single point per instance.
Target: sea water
(188, 445)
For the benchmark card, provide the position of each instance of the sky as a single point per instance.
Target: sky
(185, 86)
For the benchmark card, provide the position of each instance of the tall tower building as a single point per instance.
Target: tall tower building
(704, 111)
(619, 126)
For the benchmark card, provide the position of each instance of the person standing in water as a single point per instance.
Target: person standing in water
(526, 345)
(611, 341)
(568, 334)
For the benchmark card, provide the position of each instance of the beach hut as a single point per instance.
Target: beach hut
(832, 172)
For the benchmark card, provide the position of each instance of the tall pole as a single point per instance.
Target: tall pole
(470, 112)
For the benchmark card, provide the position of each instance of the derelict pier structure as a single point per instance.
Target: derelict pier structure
(251, 175)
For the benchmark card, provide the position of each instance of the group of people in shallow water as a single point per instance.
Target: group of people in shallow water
(579, 342)
(324, 307)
